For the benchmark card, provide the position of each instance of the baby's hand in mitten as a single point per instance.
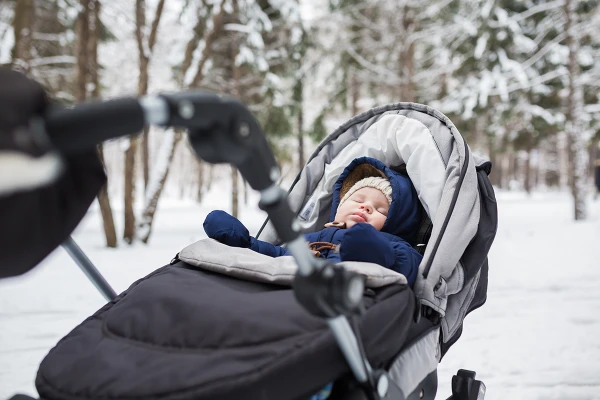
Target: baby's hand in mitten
(226, 229)
(364, 243)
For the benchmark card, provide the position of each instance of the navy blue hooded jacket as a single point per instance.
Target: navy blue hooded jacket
(362, 242)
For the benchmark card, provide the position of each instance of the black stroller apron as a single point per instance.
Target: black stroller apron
(184, 333)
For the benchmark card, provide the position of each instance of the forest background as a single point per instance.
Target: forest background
(519, 78)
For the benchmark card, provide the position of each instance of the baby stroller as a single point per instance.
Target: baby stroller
(198, 328)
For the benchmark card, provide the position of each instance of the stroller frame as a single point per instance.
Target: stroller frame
(223, 130)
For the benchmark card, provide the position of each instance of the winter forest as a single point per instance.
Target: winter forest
(519, 78)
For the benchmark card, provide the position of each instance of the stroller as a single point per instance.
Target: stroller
(215, 324)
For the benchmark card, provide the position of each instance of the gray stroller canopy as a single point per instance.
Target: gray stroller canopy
(444, 173)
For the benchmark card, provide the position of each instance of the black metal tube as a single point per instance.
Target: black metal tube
(84, 126)
(89, 269)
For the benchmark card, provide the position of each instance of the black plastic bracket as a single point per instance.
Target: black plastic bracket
(223, 130)
(329, 291)
(466, 387)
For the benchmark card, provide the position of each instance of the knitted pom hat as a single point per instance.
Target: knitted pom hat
(381, 184)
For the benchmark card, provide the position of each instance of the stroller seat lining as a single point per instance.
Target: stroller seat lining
(395, 140)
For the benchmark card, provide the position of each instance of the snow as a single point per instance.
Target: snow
(535, 338)
(6, 44)
(481, 45)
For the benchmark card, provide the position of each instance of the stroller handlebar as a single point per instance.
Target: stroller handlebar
(73, 130)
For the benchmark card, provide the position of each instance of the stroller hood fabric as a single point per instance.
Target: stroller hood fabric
(449, 181)
(404, 214)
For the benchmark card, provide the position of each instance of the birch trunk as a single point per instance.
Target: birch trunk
(157, 183)
(145, 47)
(158, 175)
(576, 141)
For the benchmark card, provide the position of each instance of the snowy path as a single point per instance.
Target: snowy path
(537, 337)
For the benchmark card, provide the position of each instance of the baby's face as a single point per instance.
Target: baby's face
(367, 205)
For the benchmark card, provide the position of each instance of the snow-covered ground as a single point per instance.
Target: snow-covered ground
(537, 337)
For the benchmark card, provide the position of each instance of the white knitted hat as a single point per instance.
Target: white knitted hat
(376, 182)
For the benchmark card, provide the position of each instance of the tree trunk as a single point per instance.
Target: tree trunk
(496, 174)
(527, 167)
(145, 46)
(551, 165)
(505, 165)
(408, 71)
(143, 62)
(158, 175)
(156, 185)
(22, 28)
(574, 127)
(129, 187)
(108, 222)
(94, 36)
(234, 191)
(209, 181)
(354, 87)
(199, 192)
(105, 209)
(82, 29)
(300, 122)
(407, 60)
(237, 92)
(145, 155)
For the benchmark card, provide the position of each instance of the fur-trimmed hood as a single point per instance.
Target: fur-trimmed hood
(404, 214)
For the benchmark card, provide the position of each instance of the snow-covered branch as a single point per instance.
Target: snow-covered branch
(393, 78)
(538, 9)
(38, 62)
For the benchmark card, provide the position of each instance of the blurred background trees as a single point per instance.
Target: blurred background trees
(519, 78)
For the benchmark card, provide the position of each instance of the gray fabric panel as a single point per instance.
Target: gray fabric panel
(461, 227)
(416, 362)
(457, 307)
(444, 277)
(440, 132)
(246, 264)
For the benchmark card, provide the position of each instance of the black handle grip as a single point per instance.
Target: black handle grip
(83, 127)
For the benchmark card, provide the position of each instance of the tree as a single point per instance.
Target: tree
(87, 28)
(145, 47)
(575, 129)
(95, 24)
(22, 30)
(159, 174)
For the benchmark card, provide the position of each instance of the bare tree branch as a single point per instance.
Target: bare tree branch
(207, 51)
(154, 29)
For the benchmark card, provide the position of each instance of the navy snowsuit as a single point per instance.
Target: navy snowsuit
(389, 247)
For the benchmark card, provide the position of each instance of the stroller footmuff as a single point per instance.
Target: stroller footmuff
(188, 333)
(208, 330)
